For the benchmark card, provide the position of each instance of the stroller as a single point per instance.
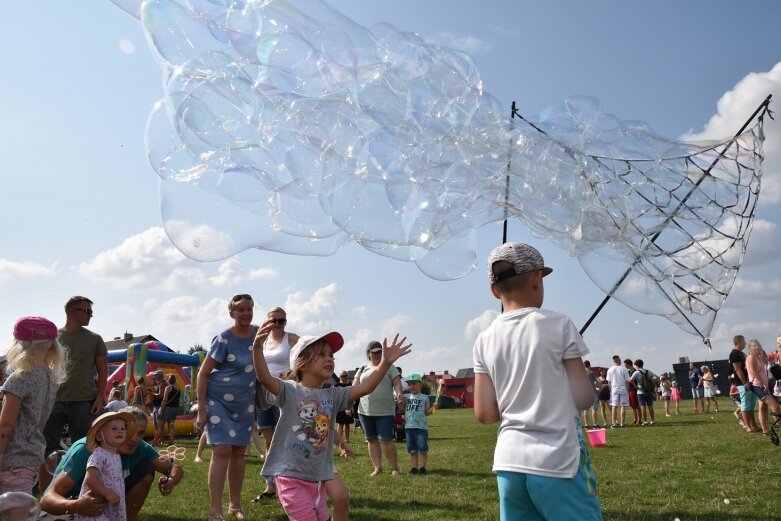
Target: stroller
(775, 370)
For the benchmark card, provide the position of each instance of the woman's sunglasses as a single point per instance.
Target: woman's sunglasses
(243, 296)
(279, 321)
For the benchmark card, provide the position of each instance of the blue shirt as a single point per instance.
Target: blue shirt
(415, 412)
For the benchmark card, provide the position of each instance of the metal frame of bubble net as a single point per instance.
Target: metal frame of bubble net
(285, 126)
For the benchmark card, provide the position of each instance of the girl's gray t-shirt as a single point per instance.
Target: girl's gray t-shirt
(36, 390)
(302, 446)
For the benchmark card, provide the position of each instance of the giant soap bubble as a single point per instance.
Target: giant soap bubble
(286, 126)
(18, 506)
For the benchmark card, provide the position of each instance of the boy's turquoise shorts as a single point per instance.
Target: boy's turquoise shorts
(530, 497)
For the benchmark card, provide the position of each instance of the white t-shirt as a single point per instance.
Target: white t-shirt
(522, 352)
(617, 376)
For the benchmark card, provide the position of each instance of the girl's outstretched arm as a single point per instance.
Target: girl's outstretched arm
(390, 353)
(269, 381)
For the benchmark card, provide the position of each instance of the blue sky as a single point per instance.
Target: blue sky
(81, 211)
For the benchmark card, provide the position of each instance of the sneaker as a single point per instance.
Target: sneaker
(650, 423)
(413, 470)
(668, 415)
(422, 471)
(644, 424)
(198, 459)
(621, 425)
(613, 426)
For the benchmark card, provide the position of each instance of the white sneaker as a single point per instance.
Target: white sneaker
(668, 415)
(650, 423)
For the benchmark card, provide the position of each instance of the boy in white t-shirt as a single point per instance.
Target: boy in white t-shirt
(529, 375)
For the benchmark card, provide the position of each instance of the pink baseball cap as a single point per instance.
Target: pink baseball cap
(37, 329)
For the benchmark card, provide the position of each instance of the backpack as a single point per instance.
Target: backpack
(647, 384)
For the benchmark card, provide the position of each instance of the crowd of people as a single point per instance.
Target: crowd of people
(261, 378)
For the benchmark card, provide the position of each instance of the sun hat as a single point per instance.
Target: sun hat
(36, 329)
(414, 377)
(373, 347)
(524, 259)
(334, 339)
(102, 420)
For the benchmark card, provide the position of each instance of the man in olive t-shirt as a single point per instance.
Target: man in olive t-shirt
(80, 397)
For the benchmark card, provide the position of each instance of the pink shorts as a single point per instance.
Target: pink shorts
(302, 500)
(19, 479)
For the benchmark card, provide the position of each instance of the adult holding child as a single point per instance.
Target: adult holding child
(139, 461)
(276, 352)
(226, 405)
(377, 409)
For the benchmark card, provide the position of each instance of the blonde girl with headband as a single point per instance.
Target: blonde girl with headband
(301, 453)
(37, 363)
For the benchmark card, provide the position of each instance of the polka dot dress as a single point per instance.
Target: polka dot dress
(230, 391)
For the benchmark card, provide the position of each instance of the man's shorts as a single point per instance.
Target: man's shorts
(645, 399)
(759, 392)
(697, 393)
(619, 398)
(748, 400)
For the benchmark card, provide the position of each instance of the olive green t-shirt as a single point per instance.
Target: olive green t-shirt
(81, 349)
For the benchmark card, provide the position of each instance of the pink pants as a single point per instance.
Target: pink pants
(19, 479)
(302, 500)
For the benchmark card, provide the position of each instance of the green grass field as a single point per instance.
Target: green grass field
(690, 467)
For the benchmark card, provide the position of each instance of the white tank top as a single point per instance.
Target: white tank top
(277, 358)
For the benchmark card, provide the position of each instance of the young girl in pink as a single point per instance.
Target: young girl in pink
(675, 396)
(36, 360)
(301, 452)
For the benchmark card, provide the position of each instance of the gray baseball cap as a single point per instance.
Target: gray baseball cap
(523, 258)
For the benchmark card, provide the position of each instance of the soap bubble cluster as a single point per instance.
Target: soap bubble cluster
(286, 126)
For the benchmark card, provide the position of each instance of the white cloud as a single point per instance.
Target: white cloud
(315, 314)
(395, 324)
(460, 42)
(765, 331)
(13, 270)
(732, 110)
(263, 274)
(180, 322)
(764, 246)
(148, 261)
(479, 324)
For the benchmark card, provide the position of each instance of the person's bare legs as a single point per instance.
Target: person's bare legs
(375, 454)
(271, 488)
(201, 446)
(603, 407)
(236, 479)
(594, 416)
(218, 467)
(340, 497)
(389, 448)
(423, 459)
(613, 411)
(623, 416)
(171, 432)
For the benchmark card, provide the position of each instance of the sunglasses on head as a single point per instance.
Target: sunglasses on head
(87, 312)
(278, 321)
(243, 296)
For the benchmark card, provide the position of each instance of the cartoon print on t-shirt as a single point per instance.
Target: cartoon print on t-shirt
(312, 432)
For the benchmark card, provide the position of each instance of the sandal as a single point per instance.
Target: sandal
(238, 513)
(264, 495)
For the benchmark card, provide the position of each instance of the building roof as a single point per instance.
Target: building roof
(469, 372)
(124, 341)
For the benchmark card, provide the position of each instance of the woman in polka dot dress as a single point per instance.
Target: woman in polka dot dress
(226, 398)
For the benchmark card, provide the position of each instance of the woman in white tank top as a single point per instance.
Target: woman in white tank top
(276, 351)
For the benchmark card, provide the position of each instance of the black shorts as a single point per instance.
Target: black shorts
(143, 469)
